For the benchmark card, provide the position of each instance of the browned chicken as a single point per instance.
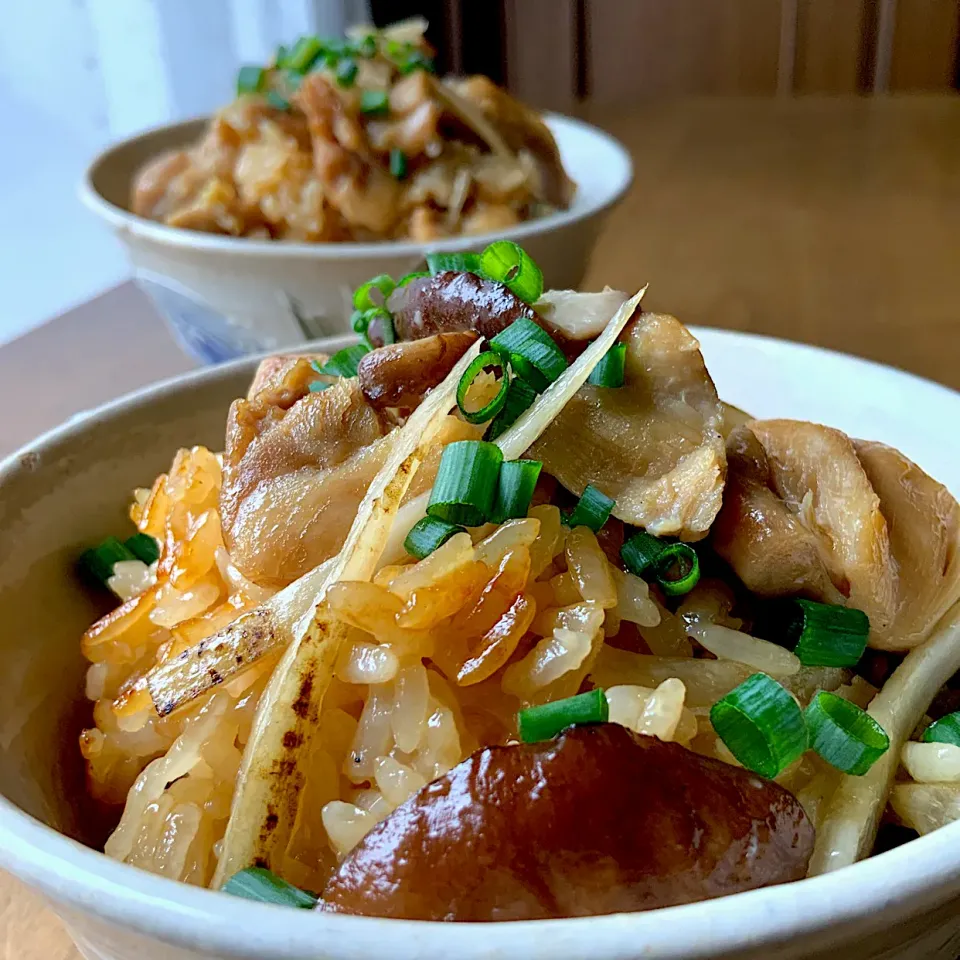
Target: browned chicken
(653, 445)
(297, 463)
(601, 820)
(808, 511)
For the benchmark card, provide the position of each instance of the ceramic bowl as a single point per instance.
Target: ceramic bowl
(70, 488)
(226, 297)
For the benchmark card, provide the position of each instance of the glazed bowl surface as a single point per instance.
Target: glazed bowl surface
(227, 297)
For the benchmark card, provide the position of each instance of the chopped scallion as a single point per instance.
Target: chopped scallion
(143, 547)
(428, 534)
(826, 635)
(344, 362)
(398, 164)
(944, 730)
(457, 262)
(532, 353)
(847, 737)
(346, 72)
(280, 57)
(592, 510)
(683, 559)
(367, 47)
(547, 720)
(278, 101)
(508, 263)
(318, 386)
(640, 552)
(761, 724)
(250, 79)
(98, 562)
(609, 371)
(361, 296)
(520, 397)
(416, 275)
(374, 102)
(491, 409)
(258, 883)
(515, 486)
(305, 51)
(466, 483)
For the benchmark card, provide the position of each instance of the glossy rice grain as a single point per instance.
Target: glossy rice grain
(600, 820)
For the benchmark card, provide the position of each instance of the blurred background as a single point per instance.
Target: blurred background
(660, 74)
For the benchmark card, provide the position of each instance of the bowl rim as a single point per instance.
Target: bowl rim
(876, 893)
(135, 225)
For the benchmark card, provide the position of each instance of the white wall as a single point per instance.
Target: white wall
(76, 74)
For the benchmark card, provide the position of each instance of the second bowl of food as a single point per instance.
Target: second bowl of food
(508, 638)
(341, 161)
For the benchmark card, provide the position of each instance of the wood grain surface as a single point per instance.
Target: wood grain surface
(833, 222)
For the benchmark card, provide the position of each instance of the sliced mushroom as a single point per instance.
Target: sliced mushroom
(601, 820)
(808, 511)
(454, 301)
(400, 374)
(654, 444)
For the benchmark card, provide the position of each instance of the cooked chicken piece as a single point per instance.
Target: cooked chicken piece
(400, 374)
(297, 464)
(522, 129)
(765, 542)
(923, 521)
(163, 184)
(653, 444)
(600, 820)
(810, 512)
(365, 194)
(454, 301)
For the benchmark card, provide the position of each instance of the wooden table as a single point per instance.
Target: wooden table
(835, 222)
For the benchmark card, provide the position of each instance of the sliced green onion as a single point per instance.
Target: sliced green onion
(374, 102)
(359, 321)
(361, 296)
(520, 397)
(305, 51)
(417, 60)
(609, 371)
(416, 275)
(398, 164)
(549, 719)
(531, 352)
(143, 547)
(466, 483)
(826, 635)
(367, 47)
(487, 359)
(97, 562)
(278, 101)
(684, 557)
(457, 262)
(318, 386)
(344, 362)
(944, 730)
(280, 57)
(386, 332)
(509, 263)
(428, 534)
(515, 486)
(346, 72)
(250, 79)
(592, 510)
(258, 883)
(640, 552)
(847, 737)
(761, 724)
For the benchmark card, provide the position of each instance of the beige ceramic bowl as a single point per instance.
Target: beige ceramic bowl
(70, 488)
(225, 297)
